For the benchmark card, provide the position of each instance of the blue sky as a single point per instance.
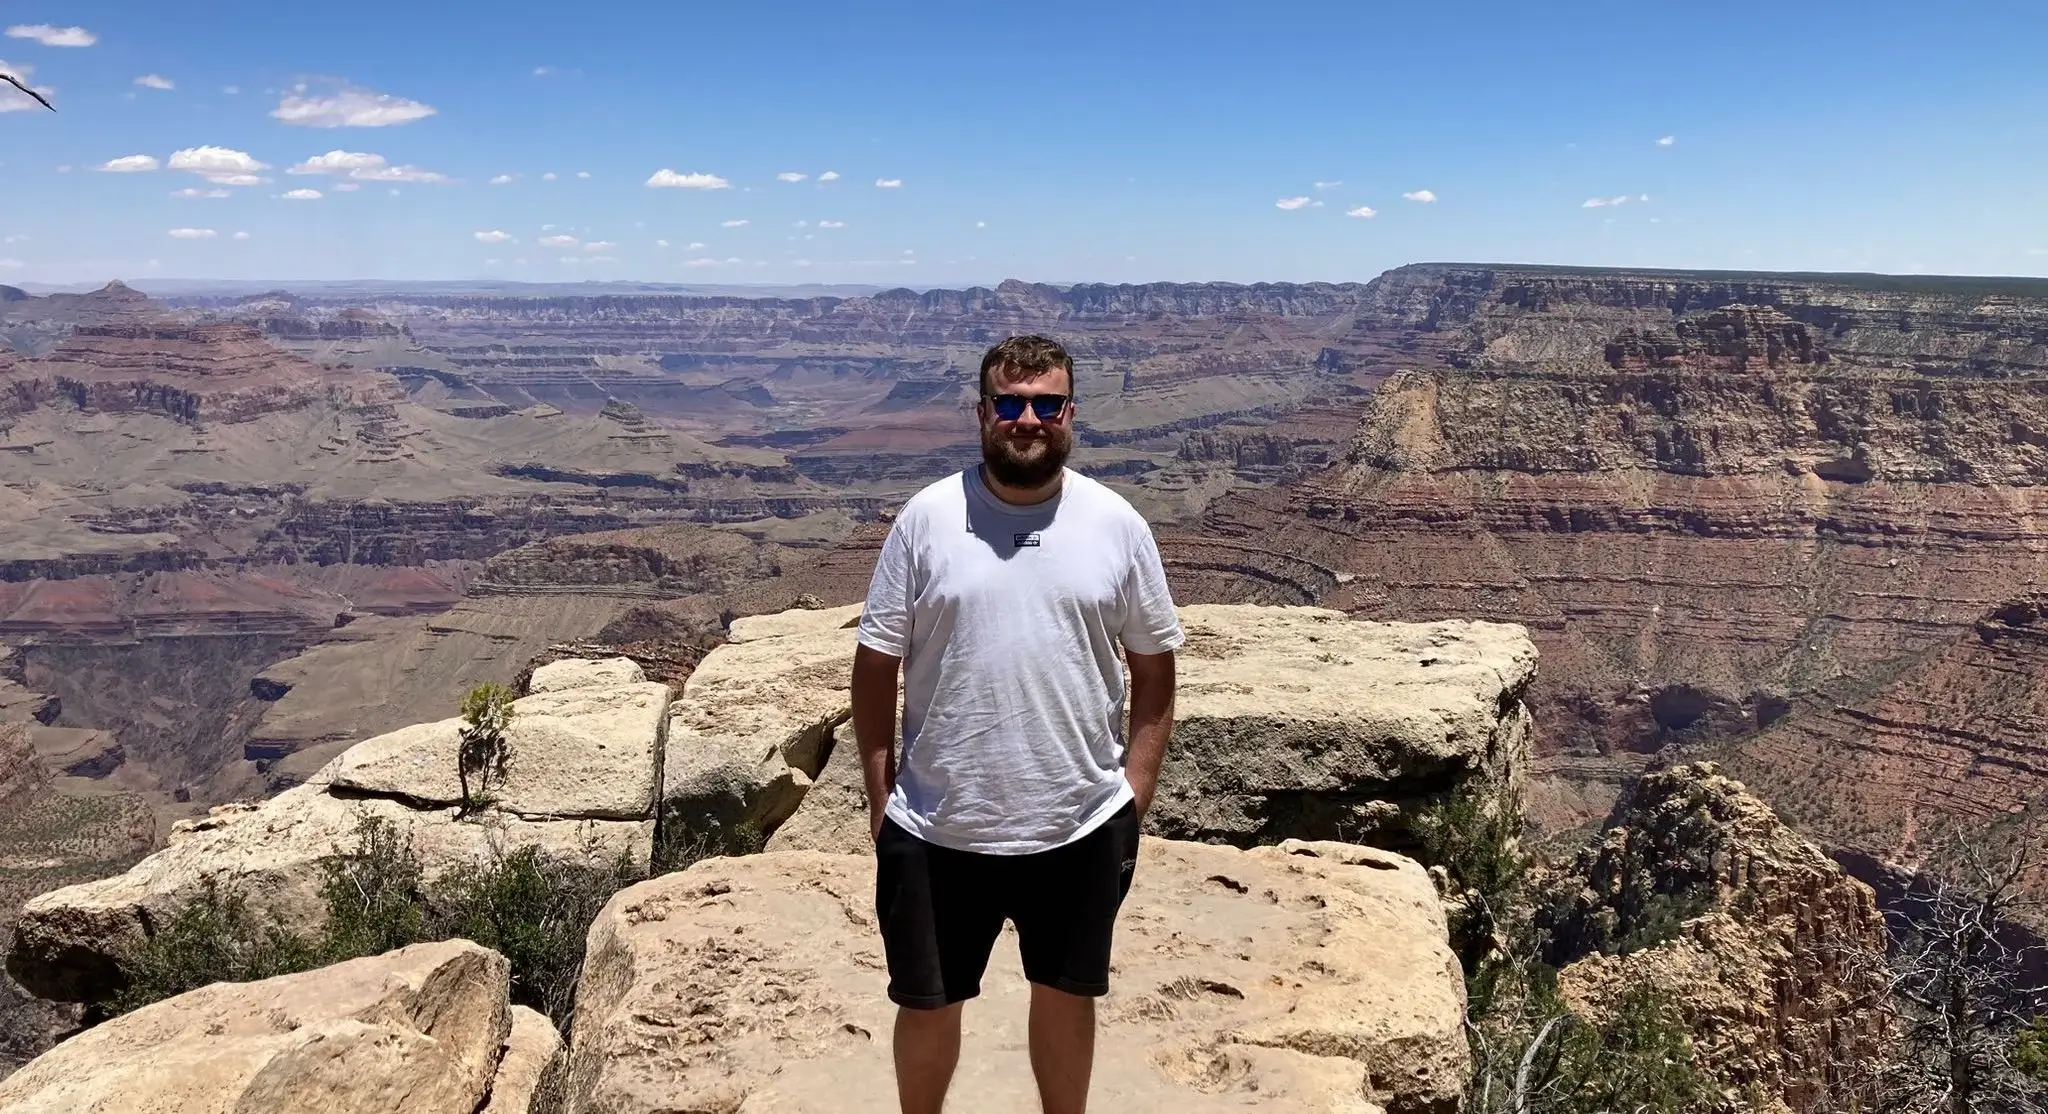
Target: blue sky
(1048, 140)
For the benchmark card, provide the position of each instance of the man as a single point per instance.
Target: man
(1001, 595)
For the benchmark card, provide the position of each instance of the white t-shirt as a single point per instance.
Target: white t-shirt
(1007, 620)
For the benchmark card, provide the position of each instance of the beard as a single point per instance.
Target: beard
(1026, 463)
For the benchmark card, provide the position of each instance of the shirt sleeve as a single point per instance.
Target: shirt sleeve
(885, 617)
(1151, 626)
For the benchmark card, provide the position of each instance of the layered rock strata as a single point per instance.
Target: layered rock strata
(1709, 497)
(1303, 977)
(1772, 954)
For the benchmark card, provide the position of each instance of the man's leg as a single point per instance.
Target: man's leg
(1062, 1048)
(1065, 908)
(927, 1049)
(939, 921)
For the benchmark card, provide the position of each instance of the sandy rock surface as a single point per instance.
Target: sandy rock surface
(416, 1031)
(1309, 977)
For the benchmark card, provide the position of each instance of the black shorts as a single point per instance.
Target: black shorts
(941, 911)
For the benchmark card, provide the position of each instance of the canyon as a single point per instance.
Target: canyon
(1792, 523)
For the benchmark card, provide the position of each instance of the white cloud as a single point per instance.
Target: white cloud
(2037, 251)
(1424, 196)
(543, 71)
(400, 174)
(558, 241)
(599, 245)
(888, 183)
(223, 166)
(493, 236)
(829, 176)
(1365, 211)
(348, 108)
(152, 81)
(16, 238)
(192, 233)
(195, 191)
(548, 177)
(701, 262)
(338, 162)
(741, 223)
(14, 100)
(365, 166)
(981, 224)
(346, 187)
(504, 179)
(601, 259)
(831, 224)
(661, 243)
(11, 264)
(1667, 141)
(241, 235)
(53, 36)
(583, 174)
(910, 251)
(1604, 202)
(791, 176)
(301, 195)
(666, 179)
(1642, 197)
(129, 164)
(803, 224)
(1328, 185)
(231, 90)
(1291, 202)
(695, 245)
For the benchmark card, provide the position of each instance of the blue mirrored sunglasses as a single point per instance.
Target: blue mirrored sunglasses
(1011, 407)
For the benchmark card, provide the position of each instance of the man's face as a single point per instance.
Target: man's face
(1026, 451)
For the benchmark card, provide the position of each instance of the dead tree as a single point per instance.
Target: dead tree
(1961, 990)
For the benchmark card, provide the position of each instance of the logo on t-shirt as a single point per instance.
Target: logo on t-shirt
(1022, 540)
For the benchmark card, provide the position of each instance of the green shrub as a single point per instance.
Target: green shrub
(484, 753)
(1475, 837)
(213, 938)
(535, 911)
(532, 908)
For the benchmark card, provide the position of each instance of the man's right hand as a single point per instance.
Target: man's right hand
(876, 817)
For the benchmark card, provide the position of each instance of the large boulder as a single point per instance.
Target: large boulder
(1302, 977)
(422, 1030)
(1300, 722)
(585, 746)
(1290, 722)
(753, 726)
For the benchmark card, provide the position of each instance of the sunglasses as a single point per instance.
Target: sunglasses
(1011, 407)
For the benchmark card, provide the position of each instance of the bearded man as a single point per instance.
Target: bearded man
(1001, 598)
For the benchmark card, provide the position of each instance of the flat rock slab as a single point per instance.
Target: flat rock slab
(586, 744)
(416, 1031)
(1308, 977)
(1298, 721)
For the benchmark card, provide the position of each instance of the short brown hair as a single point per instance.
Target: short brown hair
(1026, 355)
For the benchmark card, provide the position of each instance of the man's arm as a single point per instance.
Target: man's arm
(1152, 685)
(874, 727)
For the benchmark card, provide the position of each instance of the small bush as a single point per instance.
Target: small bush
(484, 753)
(535, 911)
(532, 908)
(213, 938)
